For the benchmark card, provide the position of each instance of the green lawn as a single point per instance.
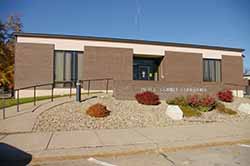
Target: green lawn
(12, 102)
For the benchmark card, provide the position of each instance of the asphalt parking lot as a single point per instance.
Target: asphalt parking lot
(234, 155)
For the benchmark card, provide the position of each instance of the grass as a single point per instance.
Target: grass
(12, 102)
(189, 111)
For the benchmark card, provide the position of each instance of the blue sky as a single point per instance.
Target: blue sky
(210, 22)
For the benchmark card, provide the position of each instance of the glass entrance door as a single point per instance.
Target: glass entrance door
(144, 72)
(145, 68)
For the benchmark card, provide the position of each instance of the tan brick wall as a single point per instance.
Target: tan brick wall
(181, 67)
(33, 64)
(232, 69)
(165, 89)
(103, 62)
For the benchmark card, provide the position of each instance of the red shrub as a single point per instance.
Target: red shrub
(193, 100)
(225, 95)
(98, 110)
(147, 98)
(207, 101)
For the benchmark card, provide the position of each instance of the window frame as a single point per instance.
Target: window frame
(73, 52)
(203, 70)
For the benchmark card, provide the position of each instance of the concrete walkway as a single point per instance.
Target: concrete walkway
(100, 142)
(24, 120)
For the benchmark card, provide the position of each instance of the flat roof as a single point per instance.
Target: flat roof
(60, 36)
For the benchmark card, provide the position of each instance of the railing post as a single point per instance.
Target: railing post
(237, 91)
(70, 90)
(52, 92)
(88, 86)
(34, 95)
(3, 106)
(17, 106)
(78, 91)
(107, 86)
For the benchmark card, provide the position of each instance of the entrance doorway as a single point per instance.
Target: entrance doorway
(145, 68)
(144, 72)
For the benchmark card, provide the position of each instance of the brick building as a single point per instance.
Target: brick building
(168, 69)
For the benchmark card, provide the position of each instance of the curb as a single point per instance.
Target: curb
(131, 151)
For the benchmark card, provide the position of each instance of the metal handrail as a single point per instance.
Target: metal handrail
(52, 90)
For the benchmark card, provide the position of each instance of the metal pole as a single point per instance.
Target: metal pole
(3, 105)
(237, 91)
(52, 92)
(17, 106)
(78, 91)
(34, 95)
(88, 86)
(107, 86)
(70, 90)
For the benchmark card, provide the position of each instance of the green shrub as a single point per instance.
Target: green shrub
(181, 100)
(222, 109)
(189, 111)
(203, 103)
(204, 109)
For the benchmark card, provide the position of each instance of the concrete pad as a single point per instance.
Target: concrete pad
(183, 133)
(24, 121)
(74, 139)
(243, 125)
(121, 137)
(28, 141)
(21, 123)
(2, 136)
(159, 135)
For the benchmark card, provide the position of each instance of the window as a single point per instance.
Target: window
(211, 70)
(145, 68)
(68, 65)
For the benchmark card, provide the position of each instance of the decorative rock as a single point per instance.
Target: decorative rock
(124, 114)
(244, 107)
(174, 112)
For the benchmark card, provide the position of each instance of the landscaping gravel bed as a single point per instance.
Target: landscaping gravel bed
(124, 114)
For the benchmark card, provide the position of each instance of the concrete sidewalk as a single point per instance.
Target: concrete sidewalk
(118, 141)
(24, 120)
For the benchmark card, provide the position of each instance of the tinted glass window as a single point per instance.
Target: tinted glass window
(211, 70)
(145, 68)
(67, 67)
